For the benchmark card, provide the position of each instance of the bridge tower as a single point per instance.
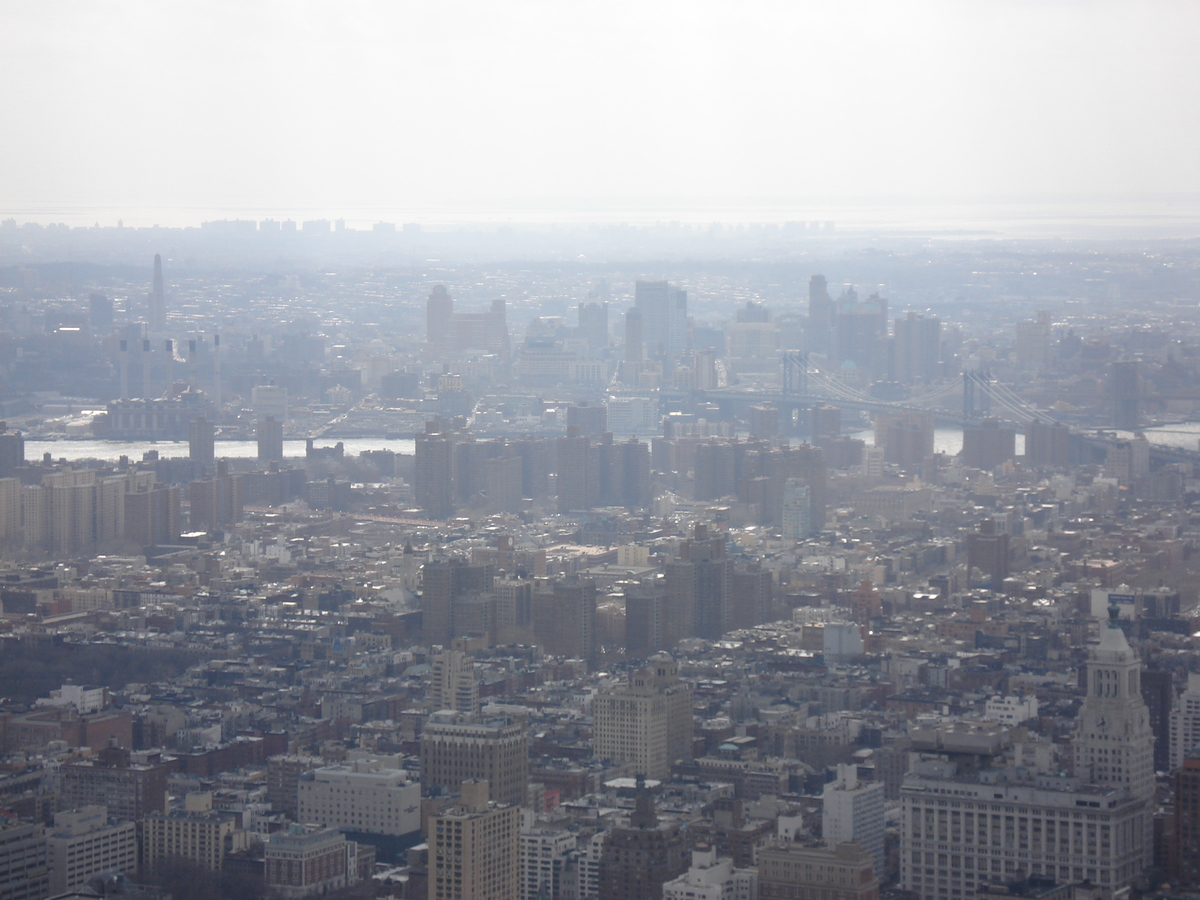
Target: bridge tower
(977, 397)
(795, 372)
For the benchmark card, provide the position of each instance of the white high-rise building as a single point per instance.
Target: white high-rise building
(633, 416)
(852, 810)
(454, 685)
(796, 510)
(545, 854)
(1185, 721)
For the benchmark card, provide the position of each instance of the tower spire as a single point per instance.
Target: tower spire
(158, 307)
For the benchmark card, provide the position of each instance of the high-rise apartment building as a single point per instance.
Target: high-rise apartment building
(453, 684)
(215, 502)
(201, 442)
(545, 856)
(73, 511)
(474, 848)
(564, 617)
(648, 721)
(664, 319)
(439, 310)
(269, 433)
(456, 748)
(446, 583)
(917, 342)
(645, 617)
(796, 508)
(852, 811)
(433, 480)
(578, 471)
(821, 313)
(1185, 722)
(988, 444)
(152, 514)
(751, 595)
(12, 451)
(1047, 444)
(697, 582)
(593, 324)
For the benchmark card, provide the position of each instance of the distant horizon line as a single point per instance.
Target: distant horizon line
(853, 216)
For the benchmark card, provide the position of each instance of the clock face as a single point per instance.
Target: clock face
(1102, 723)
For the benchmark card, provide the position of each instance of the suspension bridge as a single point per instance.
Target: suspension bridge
(959, 401)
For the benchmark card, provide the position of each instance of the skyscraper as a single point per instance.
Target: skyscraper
(698, 588)
(578, 471)
(453, 684)
(796, 508)
(433, 481)
(852, 810)
(634, 338)
(820, 315)
(158, 302)
(474, 848)
(664, 319)
(638, 859)
(439, 310)
(648, 721)
(201, 442)
(917, 348)
(456, 748)
(444, 583)
(270, 439)
(1047, 444)
(564, 617)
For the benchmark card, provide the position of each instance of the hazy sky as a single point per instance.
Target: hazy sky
(363, 107)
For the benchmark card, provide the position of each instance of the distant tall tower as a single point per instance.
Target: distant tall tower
(158, 303)
(270, 439)
(821, 313)
(633, 337)
(201, 442)
(439, 311)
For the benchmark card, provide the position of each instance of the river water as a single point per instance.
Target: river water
(113, 450)
(945, 440)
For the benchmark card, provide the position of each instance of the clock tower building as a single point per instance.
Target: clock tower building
(1113, 745)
